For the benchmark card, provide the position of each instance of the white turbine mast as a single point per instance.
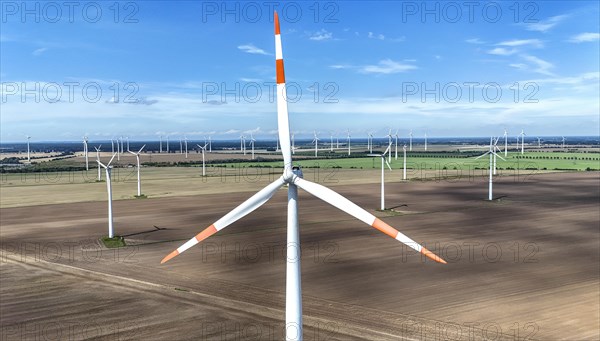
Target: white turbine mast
(316, 142)
(384, 162)
(492, 153)
(292, 176)
(108, 169)
(28, 149)
(98, 158)
(505, 143)
(404, 163)
(139, 178)
(203, 167)
(349, 148)
(522, 142)
(410, 136)
(85, 152)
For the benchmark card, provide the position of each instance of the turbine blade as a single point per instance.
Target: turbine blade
(482, 155)
(387, 163)
(111, 159)
(354, 210)
(283, 124)
(498, 155)
(139, 151)
(237, 213)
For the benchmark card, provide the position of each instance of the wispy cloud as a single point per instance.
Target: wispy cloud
(39, 51)
(539, 65)
(545, 25)
(387, 66)
(250, 48)
(585, 37)
(522, 42)
(475, 41)
(501, 51)
(321, 35)
(376, 36)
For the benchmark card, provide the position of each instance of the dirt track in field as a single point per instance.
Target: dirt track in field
(525, 265)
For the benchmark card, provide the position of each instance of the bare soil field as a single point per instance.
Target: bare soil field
(523, 267)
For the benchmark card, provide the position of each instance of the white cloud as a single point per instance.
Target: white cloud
(540, 66)
(545, 25)
(321, 35)
(585, 37)
(521, 42)
(39, 51)
(500, 51)
(387, 66)
(250, 48)
(475, 41)
(376, 36)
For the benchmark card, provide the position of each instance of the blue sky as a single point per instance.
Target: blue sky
(197, 68)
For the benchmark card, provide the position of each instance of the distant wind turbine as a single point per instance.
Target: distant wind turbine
(139, 178)
(252, 140)
(425, 141)
(186, 146)
(384, 162)
(203, 167)
(98, 158)
(316, 142)
(28, 150)
(505, 143)
(108, 169)
(522, 142)
(491, 152)
(563, 142)
(410, 141)
(349, 142)
(85, 151)
(404, 162)
(396, 149)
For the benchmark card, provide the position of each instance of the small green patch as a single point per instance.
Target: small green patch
(116, 241)
(142, 196)
(99, 181)
(180, 289)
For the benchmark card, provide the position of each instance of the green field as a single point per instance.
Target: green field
(450, 161)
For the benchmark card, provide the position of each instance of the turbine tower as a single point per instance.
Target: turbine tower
(186, 146)
(349, 142)
(522, 142)
(425, 141)
(389, 136)
(563, 142)
(396, 149)
(384, 162)
(492, 153)
(203, 167)
(404, 166)
(160, 139)
(539, 142)
(85, 152)
(98, 158)
(331, 142)
(505, 143)
(139, 178)
(209, 144)
(28, 150)
(252, 140)
(410, 141)
(108, 169)
(370, 143)
(292, 176)
(316, 142)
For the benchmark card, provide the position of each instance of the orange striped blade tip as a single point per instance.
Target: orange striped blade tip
(207, 232)
(432, 255)
(276, 20)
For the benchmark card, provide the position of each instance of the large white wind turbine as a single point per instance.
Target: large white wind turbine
(522, 142)
(404, 162)
(112, 145)
(539, 142)
(425, 141)
(108, 169)
(396, 150)
(185, 144)
(252, 140)
(505, 143)
(292, 176)
(209, 144)
(563, 142)
(349, 149)
(389, 136)
(180, 145)
(127, 137)
(384, 162)
(139, 178)
(167, 142)
(98, 158)
(203, 167)
(160, 139)
(370, 143)
(85, 151)
(316, 142)
(331, 142)
(492, 153)
(28, 150)
(410, 135)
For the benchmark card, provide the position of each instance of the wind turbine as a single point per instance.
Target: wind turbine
(396, 151)
(292, 176)
(349, 142)
(522, 142)
(277, 144)
(108, 169)
(539, 142)
(139, 178)
(203, 167)
(410, 140)
(28, 150)
(337, 140)
(186, 147)
(209, 144)
(425, 141)
(252, 140)
(293, 144)
(404, 167)
(384, 162)
(331, 142)
(85, 151)
(505, 143)
(160, 138)
(112, 145)
(180, 146)
(316, 142)
(563, 142)
(370, 143)
(167, 143)
(127, 137)
(491, 152)
(98, 158)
